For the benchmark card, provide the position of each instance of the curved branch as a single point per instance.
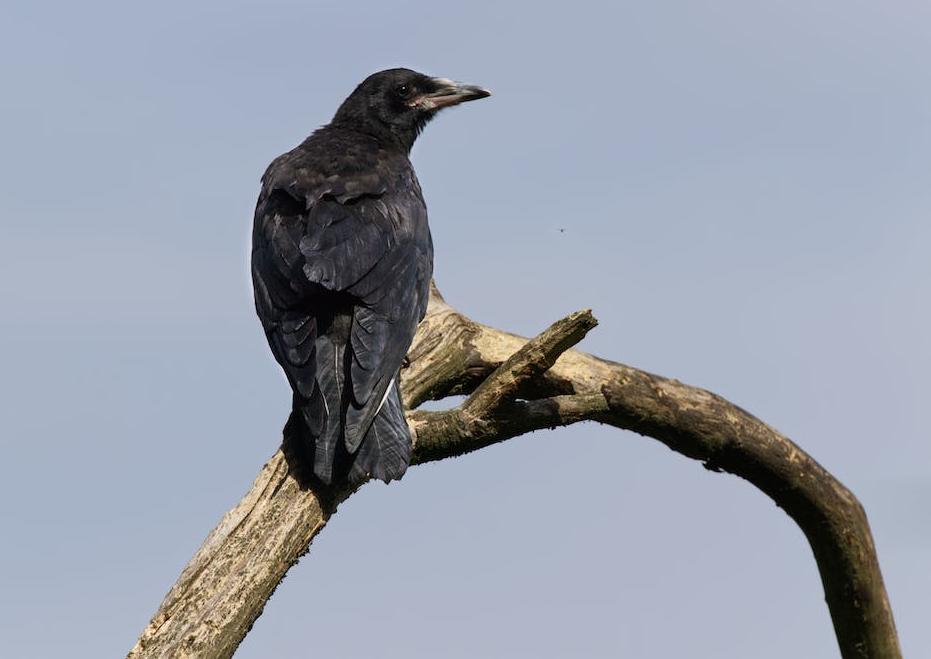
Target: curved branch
(224, 588)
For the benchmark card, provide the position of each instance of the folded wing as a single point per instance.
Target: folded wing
(341, 284)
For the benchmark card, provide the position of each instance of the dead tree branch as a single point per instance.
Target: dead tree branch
(516, 386)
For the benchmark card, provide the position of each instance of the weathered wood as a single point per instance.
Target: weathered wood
(225, 586)
(515, 387)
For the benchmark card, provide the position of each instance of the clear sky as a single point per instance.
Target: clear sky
(740, 190)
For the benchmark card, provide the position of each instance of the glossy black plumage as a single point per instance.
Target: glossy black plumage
(341, 264)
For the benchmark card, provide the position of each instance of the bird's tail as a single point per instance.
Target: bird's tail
(314, 441)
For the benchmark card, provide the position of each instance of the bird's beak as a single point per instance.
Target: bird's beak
(449, 93)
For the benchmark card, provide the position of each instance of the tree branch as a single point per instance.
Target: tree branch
(518, 386)
(529, 362)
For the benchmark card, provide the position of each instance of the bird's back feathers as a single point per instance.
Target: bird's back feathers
(342, 260)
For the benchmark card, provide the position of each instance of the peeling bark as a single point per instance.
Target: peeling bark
(515, 386)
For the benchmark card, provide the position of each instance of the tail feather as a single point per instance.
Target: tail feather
(385, 451)
(331, 381)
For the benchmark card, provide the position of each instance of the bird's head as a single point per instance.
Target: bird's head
(396, 104)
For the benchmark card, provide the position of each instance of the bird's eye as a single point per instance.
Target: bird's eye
(403, 91)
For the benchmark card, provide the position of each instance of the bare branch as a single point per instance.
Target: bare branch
(529, 362)
(451, 433)
(224, 588)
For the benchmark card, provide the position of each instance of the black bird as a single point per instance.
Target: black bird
(341, 265)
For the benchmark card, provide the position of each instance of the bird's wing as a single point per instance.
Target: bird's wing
(377, 250)
(280, 296)
(368, 255)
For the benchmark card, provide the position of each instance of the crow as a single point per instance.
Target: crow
(341, 265)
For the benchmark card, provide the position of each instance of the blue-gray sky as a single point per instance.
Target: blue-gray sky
(740, 190)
